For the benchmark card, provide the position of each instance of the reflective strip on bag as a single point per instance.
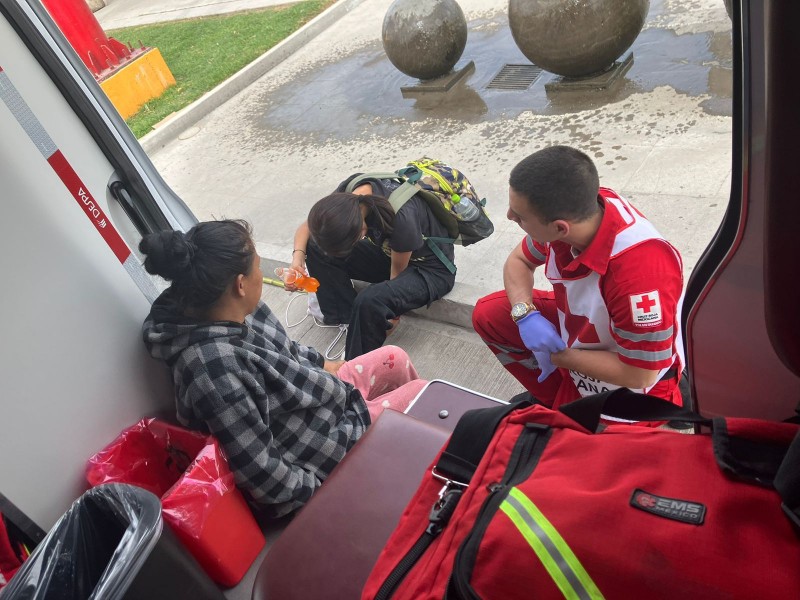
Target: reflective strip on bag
(551, 549)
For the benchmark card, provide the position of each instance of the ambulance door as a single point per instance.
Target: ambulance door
(77, 193)
(743, 326)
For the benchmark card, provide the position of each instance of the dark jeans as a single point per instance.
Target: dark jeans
(368, 313)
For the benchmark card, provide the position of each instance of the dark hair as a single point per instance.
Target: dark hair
(335, 221)
(558, 182)
(202, 262)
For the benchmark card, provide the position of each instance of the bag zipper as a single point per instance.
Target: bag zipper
(439, 516)
(524, 459)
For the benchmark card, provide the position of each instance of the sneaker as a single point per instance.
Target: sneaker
(313, 307)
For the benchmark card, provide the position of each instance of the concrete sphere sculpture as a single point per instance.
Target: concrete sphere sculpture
(424, 38)
(575, 38)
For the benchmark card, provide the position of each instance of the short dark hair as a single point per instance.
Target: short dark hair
(201, 263)
(335, 221)
(559, 182)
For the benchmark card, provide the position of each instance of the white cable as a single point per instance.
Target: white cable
(294, 297)
(329, 349)
(342, 328)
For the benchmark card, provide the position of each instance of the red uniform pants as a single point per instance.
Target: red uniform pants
(492, 320)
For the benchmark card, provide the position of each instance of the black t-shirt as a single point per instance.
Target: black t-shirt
(413, 221)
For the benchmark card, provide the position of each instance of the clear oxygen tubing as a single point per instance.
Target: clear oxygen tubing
(331, 353)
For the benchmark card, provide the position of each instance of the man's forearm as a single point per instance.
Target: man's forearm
(517, 279)
(605, 366)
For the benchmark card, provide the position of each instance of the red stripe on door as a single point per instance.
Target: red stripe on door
(89, 205)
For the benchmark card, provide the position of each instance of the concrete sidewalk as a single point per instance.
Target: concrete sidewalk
(332, 106)
(662, 137)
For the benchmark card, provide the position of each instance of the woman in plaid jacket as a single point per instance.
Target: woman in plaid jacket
(284, 415)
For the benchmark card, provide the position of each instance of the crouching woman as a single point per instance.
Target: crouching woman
(284, 415)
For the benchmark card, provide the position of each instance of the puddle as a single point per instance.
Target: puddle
(361, 92)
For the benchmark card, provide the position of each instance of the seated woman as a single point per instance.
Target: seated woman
(358, 236)
(284, 415)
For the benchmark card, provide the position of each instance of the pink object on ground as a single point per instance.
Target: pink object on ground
(385, 377)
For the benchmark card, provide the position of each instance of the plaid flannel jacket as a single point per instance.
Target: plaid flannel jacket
(283, 422)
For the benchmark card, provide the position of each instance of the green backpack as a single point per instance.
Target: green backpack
(448, 193)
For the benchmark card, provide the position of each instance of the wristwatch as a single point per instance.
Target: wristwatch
(520, 309)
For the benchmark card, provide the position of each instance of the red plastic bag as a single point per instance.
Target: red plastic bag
(200, 502)
(12, 554)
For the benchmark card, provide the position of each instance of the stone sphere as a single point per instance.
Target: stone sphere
(575, 38)
(424, 38)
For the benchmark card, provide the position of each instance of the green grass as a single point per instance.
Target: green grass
(201, 53)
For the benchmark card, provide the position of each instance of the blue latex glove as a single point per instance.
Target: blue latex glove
(545, 364)
(539, 335)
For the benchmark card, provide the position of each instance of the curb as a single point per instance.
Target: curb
(454, 309)
(188, 116)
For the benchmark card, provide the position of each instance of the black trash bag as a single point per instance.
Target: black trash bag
(95, 550)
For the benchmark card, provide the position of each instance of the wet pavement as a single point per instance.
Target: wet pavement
(661, 135)
(692, 64)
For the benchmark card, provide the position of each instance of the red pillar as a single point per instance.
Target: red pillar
(76, 21)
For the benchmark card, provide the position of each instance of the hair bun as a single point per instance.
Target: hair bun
(168, 253)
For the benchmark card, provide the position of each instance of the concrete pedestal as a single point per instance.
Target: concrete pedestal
(601, 81)
(440, 85)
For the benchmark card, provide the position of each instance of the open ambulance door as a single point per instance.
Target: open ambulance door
(743, 299)
(77, 193)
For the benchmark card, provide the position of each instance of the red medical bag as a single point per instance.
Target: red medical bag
(526, 502)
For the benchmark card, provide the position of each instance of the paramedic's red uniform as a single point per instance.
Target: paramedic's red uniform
(622, 293)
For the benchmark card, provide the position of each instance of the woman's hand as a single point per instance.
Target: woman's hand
(333, 366)
(299, 265)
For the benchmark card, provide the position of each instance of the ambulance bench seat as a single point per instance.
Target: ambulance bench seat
(328, 550)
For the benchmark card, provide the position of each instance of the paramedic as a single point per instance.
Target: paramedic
(612, 319)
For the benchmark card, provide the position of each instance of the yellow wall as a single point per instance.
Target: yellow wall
(144, 78)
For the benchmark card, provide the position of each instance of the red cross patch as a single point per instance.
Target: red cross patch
(646, 309)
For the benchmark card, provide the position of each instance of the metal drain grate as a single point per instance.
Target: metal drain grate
(515, 77)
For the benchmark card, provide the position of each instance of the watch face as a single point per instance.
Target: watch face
(519, 310)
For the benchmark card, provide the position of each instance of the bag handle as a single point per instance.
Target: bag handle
(623, 403)
(763, 463)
